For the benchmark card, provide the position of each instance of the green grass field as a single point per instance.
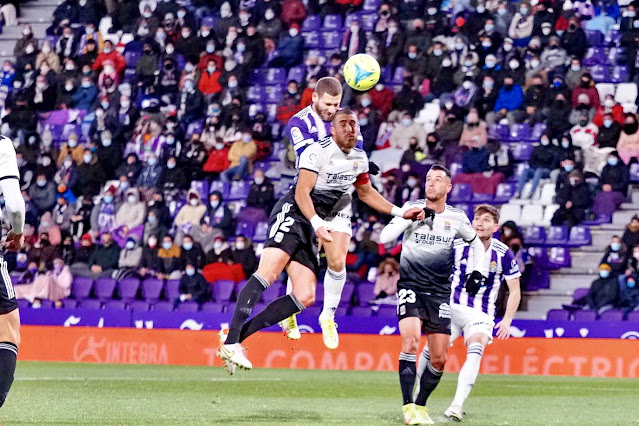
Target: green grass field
(49, 393)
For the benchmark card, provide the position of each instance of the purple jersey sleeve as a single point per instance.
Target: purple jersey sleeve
(510, 266)
(298, 133)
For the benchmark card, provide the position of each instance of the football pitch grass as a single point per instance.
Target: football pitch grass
(93, 394)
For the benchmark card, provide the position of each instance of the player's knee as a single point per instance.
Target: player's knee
(438, 361)
(410, 344)
(306, 298)
(336, 265)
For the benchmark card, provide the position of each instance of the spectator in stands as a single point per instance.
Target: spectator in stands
(104, 259)
(628, 145)
(53, 285)
(262, 192)
(411, 190)
(150, 264)
(354, 40)
(613, 184)
(584, 135)
(392, 43)
(220, 253)
(631, 234)
(271, 26)
(629, 294)
(603, 291)
(508, 104)
(192, 252)
(191, 102)
(616, 255)
(474, 133)
(169, 255)
(387, 277)
(609, 130)
(130, 259)
(43, 194)
(521, 26)
(293, 13)
(27, 39)
(573, 201)
(62, 214)
(132, 212)
(149, 173)
(131, 168)
(583, 108)
(193, 287)
(124, 16)
(48, 58)
(218, 215)
(574, 39)
(475, 160)
(542, 161)
(486, 97)
(500, 158)
(290, 48)
(103, 214)
(609, 106)
(241, 156)
(401, 134)
(289, 104)
(109, 54)
(192, 212)
(587, 87)
(243, 254)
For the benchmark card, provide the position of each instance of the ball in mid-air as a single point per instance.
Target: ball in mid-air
(361, 72)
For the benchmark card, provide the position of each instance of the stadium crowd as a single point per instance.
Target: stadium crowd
(171, 153)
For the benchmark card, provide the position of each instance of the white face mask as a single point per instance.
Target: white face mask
(293, 32)
(269, 15)
(217, 245)
(240, 245)
(193, 202)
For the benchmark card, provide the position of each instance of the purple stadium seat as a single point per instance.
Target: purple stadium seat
(129, 76)
(522, 151)
(46, 304)
(69, 303)
(239, 190)
(273, 94)
(188, 307)
(256, 76)
(579, 236)
(91, 304)
(455, 168)
(535, 235)
(331, 39)
(23, 303)
(132, 58)
(482, 198)
(116, 304)
(347, 294)
(612, 37)
(594, 38)
(386, 74)
(229, 308)
(368, 21)
(371, 5)
(538, 130)
(319, 293)
(585, 315)
(466, 208)
(128, 288)
(163, 307)
(172, 290)
(313, 311)
(81, 287)
(387, 311)
(221, 187)
(361, 311)
(559, 257)
(498, 131)
(600, 73)
(272, 292)
(504, 193)
(213, 308)
(104, 288)
(341, 311)
(139, 305)
(312, 22)
(398, 76)
(365, 293)
(617, 56)
(580, 293)
(245, 228)
(255, 94)
(633, 316)
(194, 128)
(222, 290)
(151, 289)
(557, 236)
(558, 315)
(312, 39)
(297, 73)
(519, 132)
(594, 56)
(634, 173)
(461, 193)
(612, 315)
(540, 255)
(620, 74)
(260, 232)
(332, 22)
(209, 21)
(275, 76)
(202, 188)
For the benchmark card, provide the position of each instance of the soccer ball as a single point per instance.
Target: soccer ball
(361, 72)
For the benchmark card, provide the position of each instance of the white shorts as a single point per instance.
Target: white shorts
(469, 321)
(340, 217)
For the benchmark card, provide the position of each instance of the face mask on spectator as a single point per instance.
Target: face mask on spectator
(446, 63)
(215, 203)
(152, 161)
(107, 50)
(523, 11)
(535, 63)
(607, 123)
(218, 245)
(151, 219)
(583, 123)
(67, 163)
(87, 158)
(545, 141)
(459, 46)
(219, 146)
(46, 49)
(247, 138)
(170, 165)
(609, 103)
(514, 64)
(545, 31)
(188, 85)
(293, 32)
(41, 183)
(170, 50)
(467, 85)
(613, 161)
(130, 245)
(108, 199)
(205, 33)
(211, 69)
(131, 199)
(240, 245)
(412, 55)
(187, 246)
(489, 84)
(411, 182)
(569, 168)
(241, 48)
(29, 49)
(363, 121)
(392, 30)
(490, 64)
(615, 246)
(436, 52)
(210, 48)
(489, 27)
(259, 180)
(604, 274)
(26, 32)
(631, 283)
(269, 15)
(194, 202)
(406, 121)
(86, 84)
(166, 245)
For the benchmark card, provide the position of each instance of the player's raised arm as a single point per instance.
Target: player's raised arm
(374, 199)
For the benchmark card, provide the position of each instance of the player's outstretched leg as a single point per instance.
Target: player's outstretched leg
(410, 330)
(8, 358)
(434, 368)
(289, 325)
(467, 376)
(276, 311)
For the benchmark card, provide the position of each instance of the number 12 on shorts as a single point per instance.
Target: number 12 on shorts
(283, 223)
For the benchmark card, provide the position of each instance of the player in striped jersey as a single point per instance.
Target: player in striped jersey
(304, 129)
(473, 314)
(9, 315)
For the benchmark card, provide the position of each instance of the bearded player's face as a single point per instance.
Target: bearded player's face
(438, 185)
(326, 105)
(345, 130)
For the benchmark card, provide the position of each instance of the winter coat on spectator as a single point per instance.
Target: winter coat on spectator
(84, 97)
(392, 46)
(196, 286)
(218, 161)
(293, 11)
(609, 136)
(509, 100)
(51, 58)
(475, 160)
(149, 176)
(220, 255)
(190, 214)
(521, 27)
(106, 257)
(130, 258)
(91, 177)
(472, 133)
(574, 41)
(290, 50)
(170, 259)
(195, 256)
(382, 100)
(617, 260)
(484, 101)
(603, 291)
(110, 157)
(616, 176)
(584, 137)
(219, 217)
(131, 214)
(631, 236)
(544, 157)
(629, 297)
(43, 197)
(590, 91)
(262, 196)
(401, 135)
(204, 61)
(246, 258)
(192, 103)
(22, 43)
(150, 259)
(62, 216)
(116, 57)
(270, 29)
(172, 179)
(125, 15)
(628, 146)
(241, 149)
(147, 65)
(103, 216)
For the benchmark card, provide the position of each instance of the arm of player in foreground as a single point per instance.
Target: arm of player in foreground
(15, 208)
(305, 184)
(512, 304)
(479, 254)
(374, 199)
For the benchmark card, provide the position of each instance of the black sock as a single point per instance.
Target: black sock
(407, 374)
(429, 381)
(276, 311)
(246, 301)
(8, 356)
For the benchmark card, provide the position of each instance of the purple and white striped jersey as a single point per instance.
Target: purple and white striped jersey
(500, 264)
(307, 127)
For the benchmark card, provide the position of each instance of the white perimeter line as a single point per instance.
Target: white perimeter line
(141, 379)
(566, 387)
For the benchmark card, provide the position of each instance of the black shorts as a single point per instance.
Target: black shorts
(290, 231)
(433, 310)
(8, 300)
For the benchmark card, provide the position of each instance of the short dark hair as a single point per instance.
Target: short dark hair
(328, 85)
(436, 167)
(487, 208)
(344, 111)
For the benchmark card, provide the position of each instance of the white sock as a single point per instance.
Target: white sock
(289, 286)
(333, 286)
(424, 360)
(468, 373)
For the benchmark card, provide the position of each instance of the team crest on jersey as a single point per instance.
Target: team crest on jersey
(447, 226)
(312, 158)
(493, 266)
(444, 310)
(296, 134)
(355, 165)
